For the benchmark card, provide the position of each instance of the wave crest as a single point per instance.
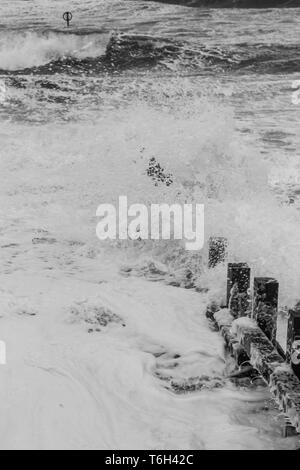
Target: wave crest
(21, 50)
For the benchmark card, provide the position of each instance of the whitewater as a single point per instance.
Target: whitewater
(108, 346)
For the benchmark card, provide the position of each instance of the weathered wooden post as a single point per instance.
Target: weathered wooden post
(293, 339)
(217, 251)
(238, 283)
(265, 305)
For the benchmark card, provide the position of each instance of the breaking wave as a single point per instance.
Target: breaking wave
(28, 49)
(57, 52)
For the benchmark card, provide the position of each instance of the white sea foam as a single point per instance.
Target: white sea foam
(20, 50)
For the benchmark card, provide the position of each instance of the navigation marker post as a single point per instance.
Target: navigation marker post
(67, 16)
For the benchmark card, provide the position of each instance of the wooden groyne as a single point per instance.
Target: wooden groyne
(248, 324)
